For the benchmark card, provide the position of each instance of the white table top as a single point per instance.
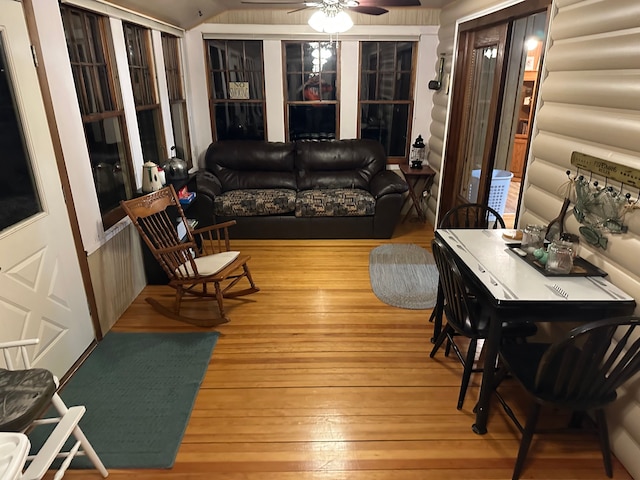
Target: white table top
(509, 278)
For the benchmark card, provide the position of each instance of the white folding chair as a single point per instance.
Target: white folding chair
(25, 395)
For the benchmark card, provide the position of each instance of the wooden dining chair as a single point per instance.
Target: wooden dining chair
(467, 215)
(465, 316)
(580, 372)
(26, 393)
(198, 262)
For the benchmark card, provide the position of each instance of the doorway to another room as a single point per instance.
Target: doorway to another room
(495, 85)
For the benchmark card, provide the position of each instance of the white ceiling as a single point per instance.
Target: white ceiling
(190, 13)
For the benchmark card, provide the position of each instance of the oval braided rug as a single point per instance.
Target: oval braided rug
(404, 275)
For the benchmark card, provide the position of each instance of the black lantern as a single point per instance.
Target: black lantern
(418, 153)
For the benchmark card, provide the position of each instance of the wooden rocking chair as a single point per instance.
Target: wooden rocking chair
(192, 259)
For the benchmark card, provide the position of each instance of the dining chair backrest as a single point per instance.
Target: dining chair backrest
(472, 215)
(458, 303)
(585, 368)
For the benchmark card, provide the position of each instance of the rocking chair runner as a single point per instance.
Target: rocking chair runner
(192, 261)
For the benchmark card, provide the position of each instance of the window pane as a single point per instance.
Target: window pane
(239, 121)
(318, 88)
(387, 51)
(219, 85)
(149, 125)
(312, 121)
(235, 51)
(181, 132)
(253, 55)
(236, 114)
(217, 55)
(388, 124)
(386, 76)
(368, 86)
(108, 162)
(403, 86)
(405, 55)
(369, 56)
(386, 87)
(102, 116)
(311, 79)
(18, 195)
(293, 55)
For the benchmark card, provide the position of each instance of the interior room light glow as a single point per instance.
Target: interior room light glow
(532, 43)
(330, 22)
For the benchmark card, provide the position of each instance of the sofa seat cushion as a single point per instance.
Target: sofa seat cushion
(335, 202)
(252, 202)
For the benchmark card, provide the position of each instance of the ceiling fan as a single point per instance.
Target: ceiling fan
(367, 7)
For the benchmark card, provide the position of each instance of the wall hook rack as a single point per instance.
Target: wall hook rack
(600, 209)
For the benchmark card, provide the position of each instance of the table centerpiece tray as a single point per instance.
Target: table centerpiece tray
(581, 267)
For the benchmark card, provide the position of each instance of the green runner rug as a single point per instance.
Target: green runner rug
(139, 389)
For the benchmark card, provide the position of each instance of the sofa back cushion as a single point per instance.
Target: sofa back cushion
(241, 164)
(338, 163)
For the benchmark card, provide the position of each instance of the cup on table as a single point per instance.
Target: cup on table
(560, 257)
(532, 238)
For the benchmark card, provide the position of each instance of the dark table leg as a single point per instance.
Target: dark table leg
(415, 200)
(491, 346)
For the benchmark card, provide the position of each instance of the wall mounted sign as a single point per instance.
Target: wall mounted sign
(239, 90)
(612, 171)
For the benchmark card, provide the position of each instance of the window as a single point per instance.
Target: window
(236, 89)
(101, 110)
(177, 102)
(386, 95)
(18, 194)
(310, 89)
(144, 93)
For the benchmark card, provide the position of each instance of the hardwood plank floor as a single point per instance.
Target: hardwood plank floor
(315, 378)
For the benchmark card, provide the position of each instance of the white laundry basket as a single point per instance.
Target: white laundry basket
(500, 181)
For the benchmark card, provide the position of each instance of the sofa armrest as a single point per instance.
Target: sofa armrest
(386, 182)
(207, 184)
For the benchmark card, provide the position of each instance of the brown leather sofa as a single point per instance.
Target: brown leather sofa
(302, 189)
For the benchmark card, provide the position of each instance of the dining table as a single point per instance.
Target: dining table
(512, 287)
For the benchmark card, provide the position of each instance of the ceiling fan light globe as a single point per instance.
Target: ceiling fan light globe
(341, 22)
(317, 21)
(338, 23)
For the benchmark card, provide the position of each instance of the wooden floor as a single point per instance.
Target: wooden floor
(315, 378)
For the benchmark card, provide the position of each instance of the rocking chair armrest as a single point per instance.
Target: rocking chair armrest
(178, 248)
(214, 227)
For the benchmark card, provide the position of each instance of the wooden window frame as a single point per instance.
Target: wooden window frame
(175, 88)
(409, 102)
(99, 74)
(145, 92)
(225, 70)
(321, 101)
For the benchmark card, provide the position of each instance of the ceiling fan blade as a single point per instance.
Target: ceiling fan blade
(389, 3)
(300, 9)
(368, 10)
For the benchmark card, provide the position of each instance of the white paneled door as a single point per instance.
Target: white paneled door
(41, 289)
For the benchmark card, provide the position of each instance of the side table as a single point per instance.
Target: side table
(420, 181)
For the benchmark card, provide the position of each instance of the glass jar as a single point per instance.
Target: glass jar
(574, 240)
(560, 257)
(532, 238)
